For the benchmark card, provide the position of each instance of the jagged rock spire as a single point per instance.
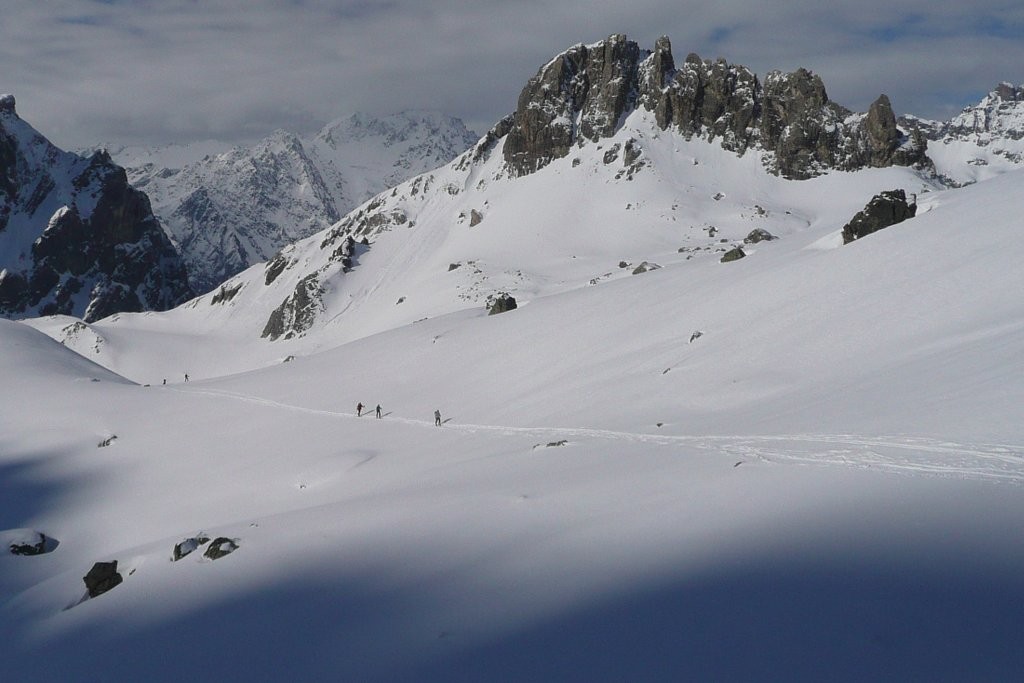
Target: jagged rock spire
(584, 93)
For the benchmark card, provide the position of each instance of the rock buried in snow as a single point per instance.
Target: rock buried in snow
(645, 267)
(102, 577)
(32, 543)
(187, 546)
(220, 547)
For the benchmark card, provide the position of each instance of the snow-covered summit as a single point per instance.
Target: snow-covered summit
(983, 140)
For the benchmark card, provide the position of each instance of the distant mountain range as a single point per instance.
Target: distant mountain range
(229, 207)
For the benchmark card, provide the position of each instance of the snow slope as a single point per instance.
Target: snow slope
(826, 484)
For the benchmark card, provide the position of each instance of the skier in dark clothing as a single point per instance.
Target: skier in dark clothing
(437, 418)
(359, 410)
(378, 411)
(186, 376)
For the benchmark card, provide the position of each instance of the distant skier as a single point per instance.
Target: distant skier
(186, 376)
(378, 411)
(165, 381)
(437, 418)
(359, 409)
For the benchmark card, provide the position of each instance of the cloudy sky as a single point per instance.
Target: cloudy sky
(156, 71)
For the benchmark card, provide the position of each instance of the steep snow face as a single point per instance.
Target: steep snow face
(363, 156)
(228, 209)
(982, 141)
(75, 238)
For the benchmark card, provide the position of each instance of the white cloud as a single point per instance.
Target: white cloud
(151, 71)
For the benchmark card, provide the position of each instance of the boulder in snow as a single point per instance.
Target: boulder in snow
(758, 235)
(220, 547)
(102, 577)
(734, 254)
(884, 210)
(501, 303)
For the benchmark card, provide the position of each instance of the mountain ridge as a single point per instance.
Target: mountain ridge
(75, 237)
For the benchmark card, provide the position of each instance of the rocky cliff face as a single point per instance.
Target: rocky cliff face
(583, 94)
(75, 237)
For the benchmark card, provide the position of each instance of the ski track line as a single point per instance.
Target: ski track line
(907, 455)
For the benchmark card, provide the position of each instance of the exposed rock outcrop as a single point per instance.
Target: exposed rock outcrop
(584, 93)
(884, 209)
(298, 311)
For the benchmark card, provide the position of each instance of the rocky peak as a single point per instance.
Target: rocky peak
(1000, 113)
(584, 93)
(1005, 91)
(75, 237)
(7, 104)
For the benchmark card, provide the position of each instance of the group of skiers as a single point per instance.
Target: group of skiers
(359, 410)
(360, 406)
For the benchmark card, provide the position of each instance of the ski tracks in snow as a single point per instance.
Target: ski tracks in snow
(897, 454)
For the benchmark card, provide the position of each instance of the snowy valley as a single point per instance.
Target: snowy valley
(802, 464)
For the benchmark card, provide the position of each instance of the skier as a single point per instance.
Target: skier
(186, 376)
(165, 381)
(378, 411)
(437, 418)
(359, 409)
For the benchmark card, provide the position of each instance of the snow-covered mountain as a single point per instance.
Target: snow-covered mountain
(713, 441)
(228, 208)
(983, 140)
(75, 238)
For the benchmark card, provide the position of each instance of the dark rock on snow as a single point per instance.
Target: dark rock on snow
(758, 235)
(884, 210)
(220, 547)
(102, 577)
(501, 304)
(645, 267)
(734, 254)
